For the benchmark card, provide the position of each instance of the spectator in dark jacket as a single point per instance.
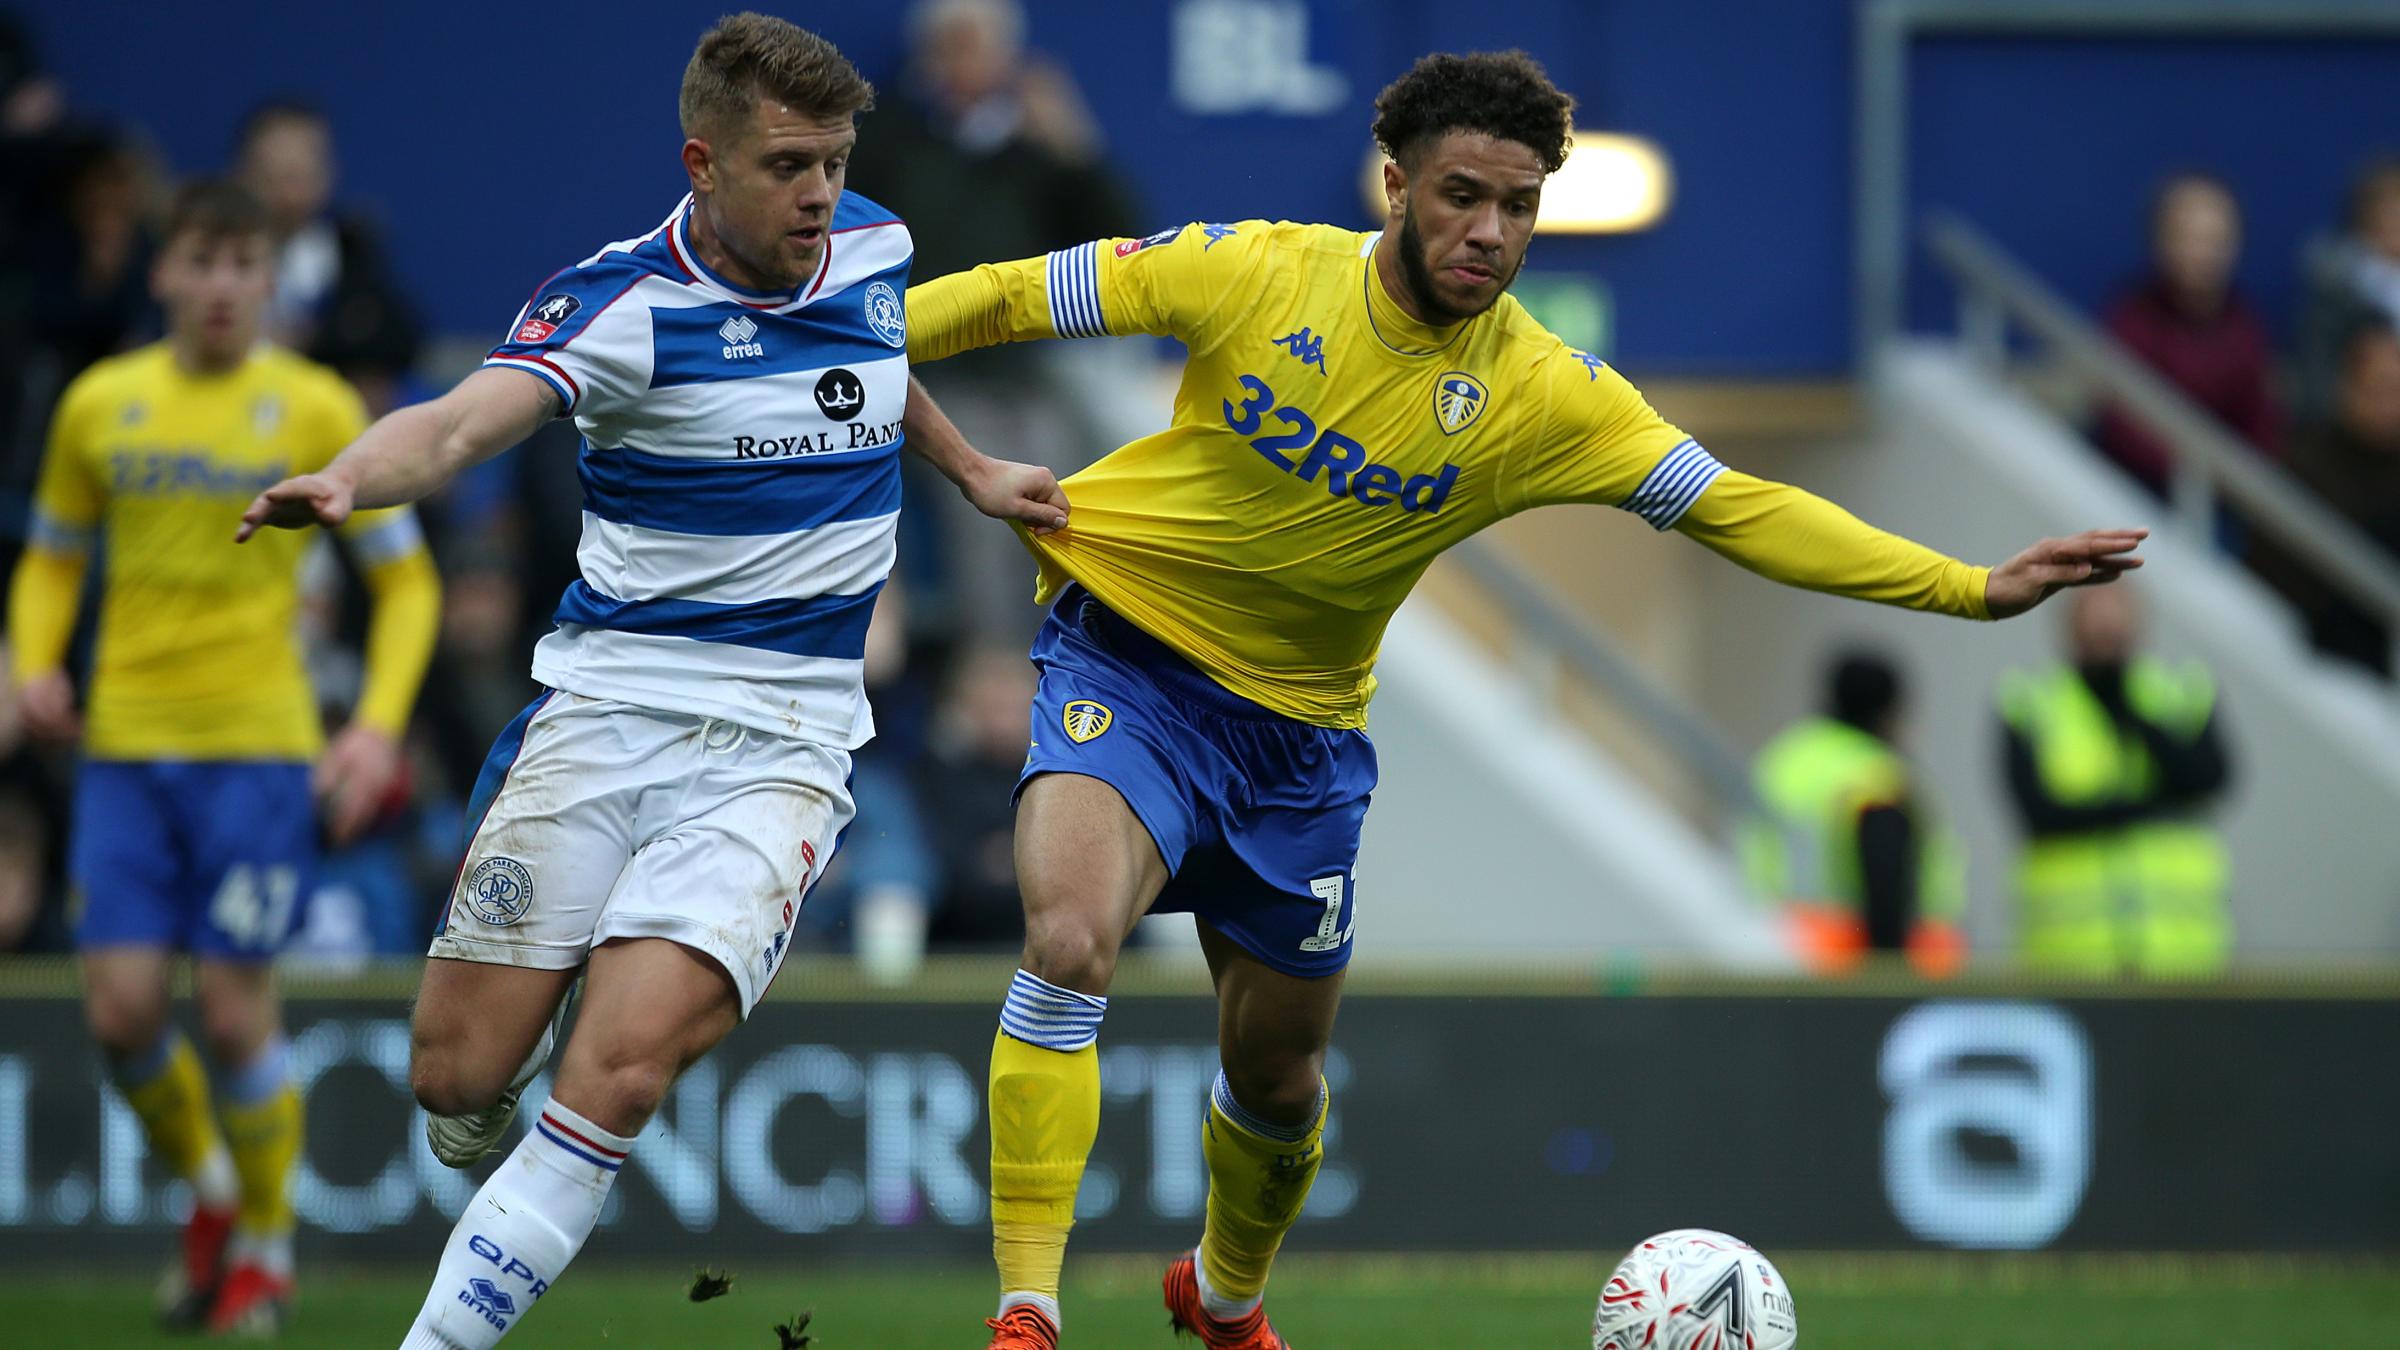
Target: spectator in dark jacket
(2352, 280)
(2186, 321)
(2353, 462)
(988, 152)
(335, 299)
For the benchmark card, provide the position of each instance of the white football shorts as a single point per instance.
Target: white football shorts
(604, 820)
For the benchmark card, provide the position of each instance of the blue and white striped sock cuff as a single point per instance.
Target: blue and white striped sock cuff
(1222, 1095)
(1674, 484)
(1040, 1013)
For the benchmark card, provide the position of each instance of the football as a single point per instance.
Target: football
(1693, 1289)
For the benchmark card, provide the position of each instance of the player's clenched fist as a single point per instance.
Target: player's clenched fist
(297, 503)
(1005, 490)
(2092, 558)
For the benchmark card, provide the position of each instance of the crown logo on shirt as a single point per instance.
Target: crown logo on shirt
(738, 332)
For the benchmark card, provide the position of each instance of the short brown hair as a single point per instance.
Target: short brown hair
(749, 55)
(217, 208)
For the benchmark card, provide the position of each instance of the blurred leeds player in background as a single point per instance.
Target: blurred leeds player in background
(1353, 404)
(1850, 843)
(196, 810)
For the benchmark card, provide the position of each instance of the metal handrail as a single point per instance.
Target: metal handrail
(1544, 622)
(1995, 291)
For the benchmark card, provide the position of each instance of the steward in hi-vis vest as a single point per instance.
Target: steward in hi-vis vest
(2113, 759)
(1848, 843)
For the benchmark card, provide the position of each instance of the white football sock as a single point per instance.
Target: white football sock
(519, 1232)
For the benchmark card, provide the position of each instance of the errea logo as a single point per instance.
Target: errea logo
(738, 332)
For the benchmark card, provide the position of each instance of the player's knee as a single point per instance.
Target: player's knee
(439, 1080)
(125, 1023)
(232, 1031)
(617, 1092)
(1277, 1087)
(1071, 955)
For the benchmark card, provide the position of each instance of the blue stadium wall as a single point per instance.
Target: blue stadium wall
(499, 141)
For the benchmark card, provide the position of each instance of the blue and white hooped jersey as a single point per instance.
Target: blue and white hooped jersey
(741, 477)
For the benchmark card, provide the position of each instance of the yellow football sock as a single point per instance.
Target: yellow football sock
(1045, 1107)
(172, 1104)
(265, 1138)
(1256, 1185)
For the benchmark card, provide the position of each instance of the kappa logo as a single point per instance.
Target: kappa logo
(1084, 720)
(1458, 399)
(886, 315)
(841, 395)
(738, 332)
(1306, 348)
(500, 890)
(544, 318)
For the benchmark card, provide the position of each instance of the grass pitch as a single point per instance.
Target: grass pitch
(1335, 1303)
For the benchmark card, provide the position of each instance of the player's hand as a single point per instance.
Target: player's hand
(352, 778)
(297, 503)
(48, 703)
(2093, 558)
(1005, 490)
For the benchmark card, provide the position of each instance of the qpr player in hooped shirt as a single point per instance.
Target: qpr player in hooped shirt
(653, 821)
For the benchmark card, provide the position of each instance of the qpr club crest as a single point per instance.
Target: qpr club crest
(1458, 399)
(1084, 720)
(885, 315)
(500, 890)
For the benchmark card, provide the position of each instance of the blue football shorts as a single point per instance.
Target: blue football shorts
(1257, 815)
(211, 857)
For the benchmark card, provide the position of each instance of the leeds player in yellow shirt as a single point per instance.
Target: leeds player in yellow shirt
(1352, 405)
(194, 825)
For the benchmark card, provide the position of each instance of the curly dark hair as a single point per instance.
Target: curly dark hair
(1506, 95)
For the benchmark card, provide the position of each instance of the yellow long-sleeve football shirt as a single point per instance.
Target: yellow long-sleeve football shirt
(197, 656)
(1326, 447)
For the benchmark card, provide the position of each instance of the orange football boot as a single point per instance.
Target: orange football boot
(1186, 1315)
(1023, 1327)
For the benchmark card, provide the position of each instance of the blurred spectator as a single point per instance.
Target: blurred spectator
(2350, 281)
(968, 786)
(2353, 462)
(2186, 321)
(32, 915)
(334, 299)
(988, 153)
(91, 271)
(1852, 846)
(2113, 759)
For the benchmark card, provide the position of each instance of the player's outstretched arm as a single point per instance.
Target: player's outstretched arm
(1789, 535)
(410, 452)
(2092, 558)
(1025, 493)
